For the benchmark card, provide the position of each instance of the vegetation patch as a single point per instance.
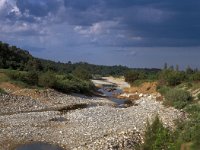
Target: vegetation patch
(157, 137)
(177, 98)
(2, 91)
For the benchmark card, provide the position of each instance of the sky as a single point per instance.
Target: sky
(134, 33)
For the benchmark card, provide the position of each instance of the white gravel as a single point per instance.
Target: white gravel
(101, 127)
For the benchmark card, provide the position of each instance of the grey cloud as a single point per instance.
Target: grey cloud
(38, 8)
(139, 23)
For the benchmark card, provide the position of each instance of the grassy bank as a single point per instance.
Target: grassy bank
(187, 134)
(65, 83)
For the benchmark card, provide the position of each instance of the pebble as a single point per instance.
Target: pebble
(100, 127)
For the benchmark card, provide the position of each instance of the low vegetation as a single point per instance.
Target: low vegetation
(186, 135)
(157, 137)
(177, 98)
(136, 77)
(2, 91)
(64, 83)
(177, 87)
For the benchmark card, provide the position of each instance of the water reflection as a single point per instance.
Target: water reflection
(38, 146)
(110, 93)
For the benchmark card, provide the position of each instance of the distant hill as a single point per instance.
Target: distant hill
(13, 57)
(19, 59)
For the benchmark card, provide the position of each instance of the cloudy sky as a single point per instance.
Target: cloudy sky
(135, 33)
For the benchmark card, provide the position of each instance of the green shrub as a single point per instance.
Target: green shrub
(193, 109)
(198, 96)
(31, 78)
(2, 91)
(163, 89)
(47, 79)
(74, 85)
(196, 141)
(177, 98)
(189, 85)
(195, 76)
(16, 75)
(173, 80)
(189, 130)
(171, 77)
(135, 77)
(131, 76)
(157, 137)
(63, 83)
(82, 73)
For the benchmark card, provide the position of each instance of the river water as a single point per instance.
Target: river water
(110, 92)
(38, 146)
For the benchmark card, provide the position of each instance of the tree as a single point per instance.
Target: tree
(171, 67)
(32, 78)
(165, 66)
(189, 70)
(171, 77)
(131, 76)
(177, 67)
(47, 79)
(34, 64)
(82, 73)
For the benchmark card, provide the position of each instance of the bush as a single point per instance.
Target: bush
(177, 98)
(157, 137)
(193, 109)
(63, 83)
(198, 96)
(163, 89)
(82, 73)
(189, 130)
(30, 78)
(131, 76)
(2, 91)
(47, 79)
(196, 141)
(74, 85)
(15, 75)
(195, 76)
(171, 77)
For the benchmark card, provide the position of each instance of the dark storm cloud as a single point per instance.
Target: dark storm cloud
(80, 4)
(157, 22)
(100, 25)
(39, 8)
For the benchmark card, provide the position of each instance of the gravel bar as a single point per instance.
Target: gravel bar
(101, 127)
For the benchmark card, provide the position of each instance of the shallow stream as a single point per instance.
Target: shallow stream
(110, 92)
(38, 146)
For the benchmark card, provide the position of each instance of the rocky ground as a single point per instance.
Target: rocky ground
(61, 119)
(45, 100)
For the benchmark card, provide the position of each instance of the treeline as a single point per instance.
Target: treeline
(15, 58)
(64, 77)
(172, 77)
(168, 76)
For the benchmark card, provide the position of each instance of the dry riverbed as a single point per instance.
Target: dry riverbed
(77, 121)
(61, 119)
